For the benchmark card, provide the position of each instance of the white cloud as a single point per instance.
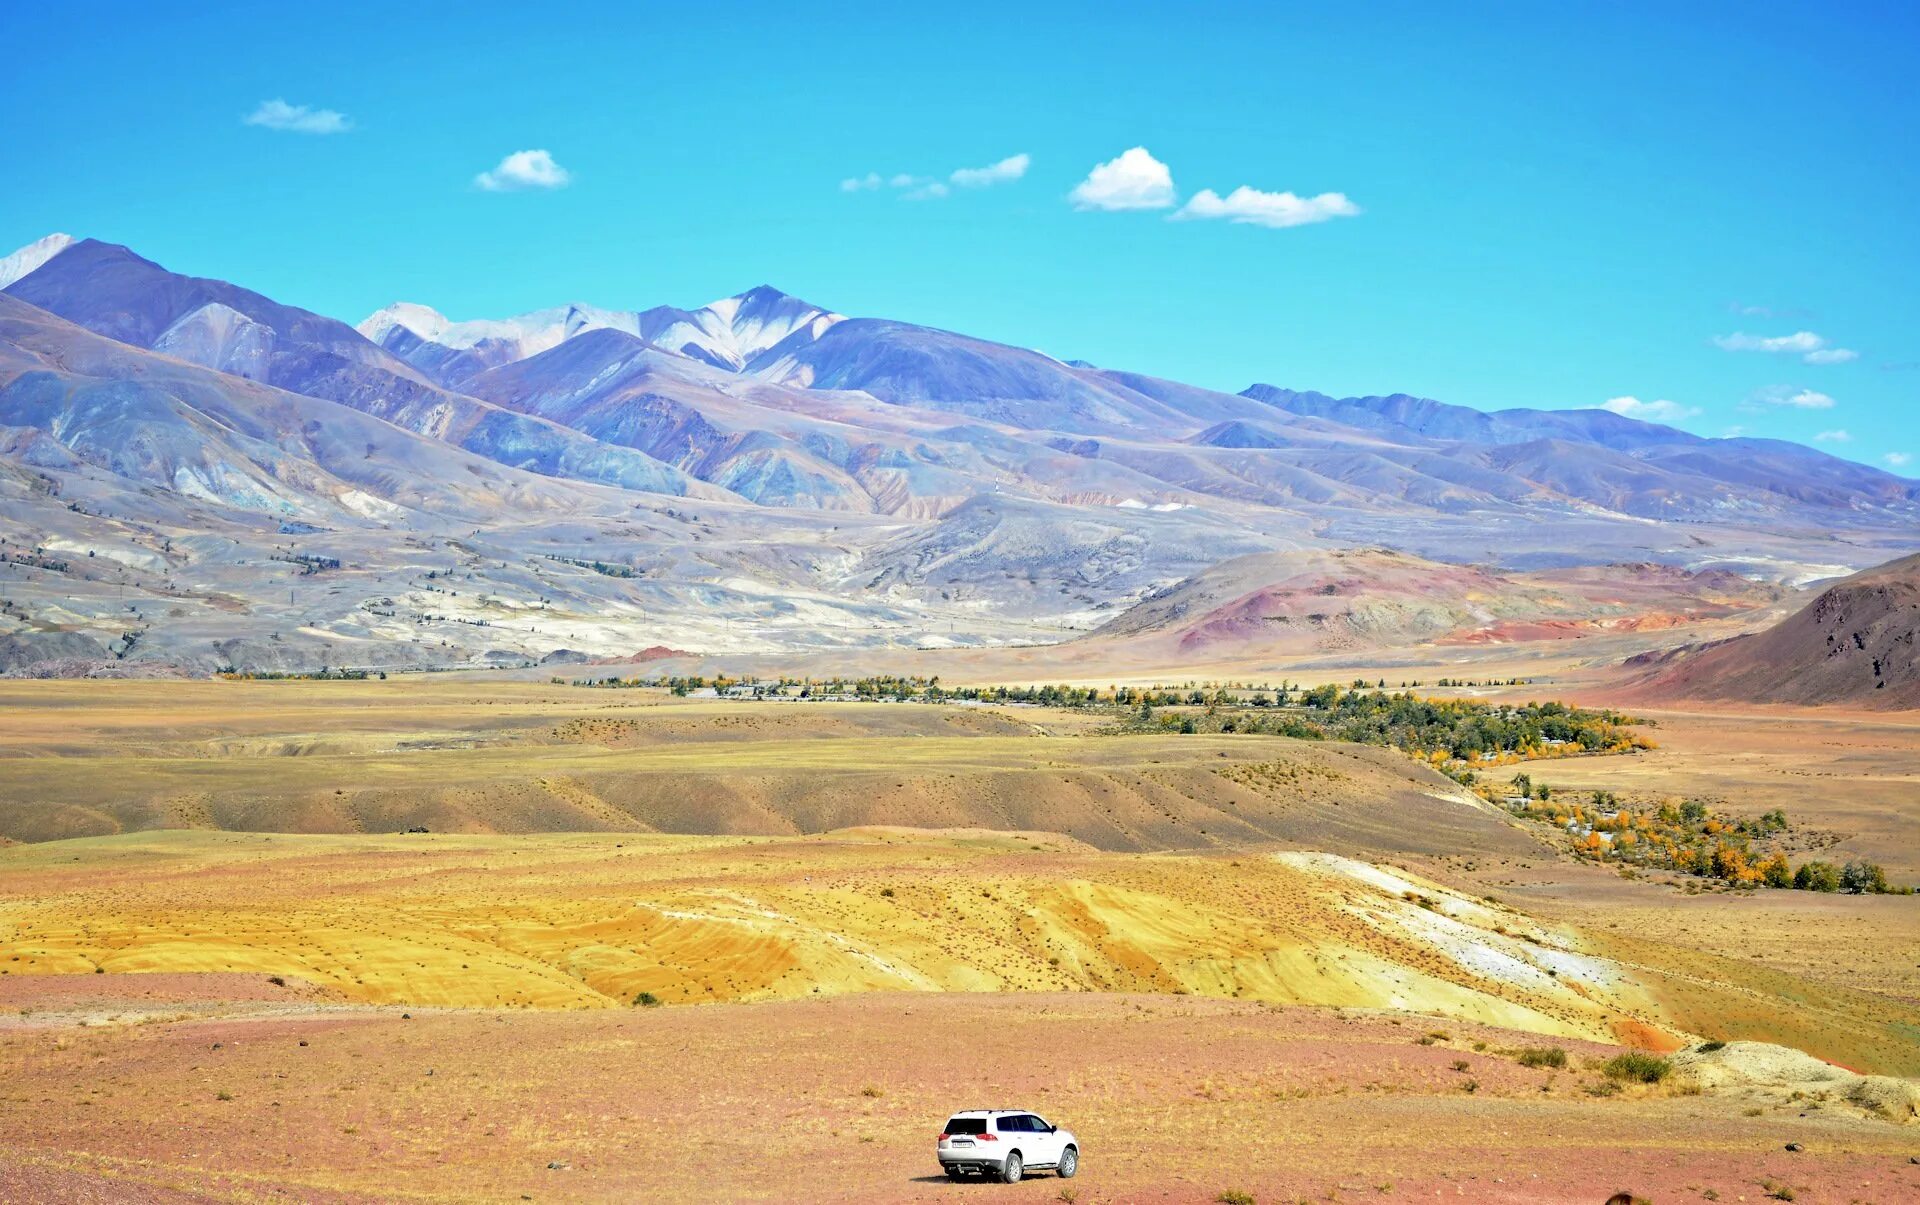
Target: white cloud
(277, 114)
(1833, 437)
(1896, 459)
(524, 169)
(1274, 210)
(1135, 180)
(1799, 342)
(1811, 348)
(1659, 410)
(932, 188)
(1788, 395)
(1831, 355)
(1011, 168)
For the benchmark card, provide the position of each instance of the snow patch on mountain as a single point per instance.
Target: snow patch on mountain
(727, 334)
(29, 258)
(220, 337)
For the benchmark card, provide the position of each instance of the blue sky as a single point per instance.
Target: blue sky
(1558, 204)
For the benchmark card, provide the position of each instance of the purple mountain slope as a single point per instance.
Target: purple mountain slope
(113, 292)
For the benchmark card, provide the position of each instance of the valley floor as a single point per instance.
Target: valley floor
(1175, 1099)
(1295, 969)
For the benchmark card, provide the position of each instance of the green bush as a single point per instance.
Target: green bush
(1233, 1196)
(1543, 1056)
(647, 1000)
(1864, 878)
(1817, 876)
(1637, 1067)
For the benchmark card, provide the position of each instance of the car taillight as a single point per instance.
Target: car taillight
(988, 1137)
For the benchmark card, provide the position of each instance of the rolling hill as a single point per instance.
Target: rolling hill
(1853, 645)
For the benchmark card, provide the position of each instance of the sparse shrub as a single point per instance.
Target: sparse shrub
(1233, 1196)
(1461, 1064)
(1710, 1047)
(1778, 1192)
(1471, 1086)
(870, 1090)
(647, 1000)
(277, 980)
(1637, 1067)
(1543, 1056)
(886, 893)
(223, 1096)
(1066, 1196)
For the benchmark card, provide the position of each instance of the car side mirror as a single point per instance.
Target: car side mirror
(1053, 1129)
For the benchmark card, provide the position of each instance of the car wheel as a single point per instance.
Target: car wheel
(1069, 1163)
(1011, 1171)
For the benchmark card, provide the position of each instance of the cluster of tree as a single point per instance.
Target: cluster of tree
(1688, 837)
(323, 674)
(1443, 731)
(308, 562)
(36, 560)
(601, 567)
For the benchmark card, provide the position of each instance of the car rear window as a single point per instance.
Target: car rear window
(966, 1125)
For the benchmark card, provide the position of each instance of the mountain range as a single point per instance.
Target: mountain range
(195, 475)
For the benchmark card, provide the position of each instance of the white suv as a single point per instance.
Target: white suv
(1006, 1144)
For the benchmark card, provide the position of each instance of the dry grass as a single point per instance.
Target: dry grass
(1173, 1098)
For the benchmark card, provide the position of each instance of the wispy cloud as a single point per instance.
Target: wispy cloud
(1660, 410)
(1134, 180)
(1810, 347)
(277, 114)
(1765, 311)
(1790, 395)
(1897, 459)
(1011, 168)
(1275, 210)
(1831, 355)
(1839, 436)
(932, 188)
(524, 169)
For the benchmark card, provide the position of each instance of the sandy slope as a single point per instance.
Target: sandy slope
(589, 921)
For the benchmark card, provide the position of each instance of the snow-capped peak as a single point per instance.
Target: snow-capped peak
(727, 334)
(422, 320)
(29, 258)
(732, 331)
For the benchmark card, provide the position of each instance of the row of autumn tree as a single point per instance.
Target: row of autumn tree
(1689, 837)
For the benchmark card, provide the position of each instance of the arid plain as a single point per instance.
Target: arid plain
(1317, 963)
